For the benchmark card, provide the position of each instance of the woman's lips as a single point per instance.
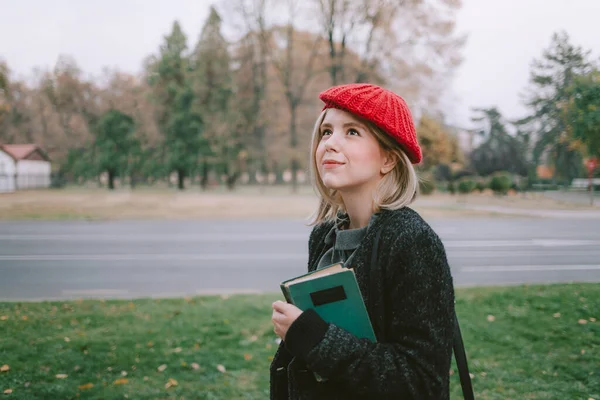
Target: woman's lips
(331, 164)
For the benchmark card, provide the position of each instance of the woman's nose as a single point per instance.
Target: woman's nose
(333, 142)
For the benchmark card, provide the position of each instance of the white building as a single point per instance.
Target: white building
(23, 166)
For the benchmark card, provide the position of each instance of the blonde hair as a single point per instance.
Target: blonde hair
(397, 189)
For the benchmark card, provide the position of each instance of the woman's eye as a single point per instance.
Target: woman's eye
(326, 132)
(353, 132)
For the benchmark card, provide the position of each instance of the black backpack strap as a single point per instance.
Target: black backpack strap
(461, 362)
(458, 345)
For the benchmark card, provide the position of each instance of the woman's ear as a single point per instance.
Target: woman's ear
(389, 162)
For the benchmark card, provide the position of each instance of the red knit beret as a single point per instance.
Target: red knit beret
(382, 107)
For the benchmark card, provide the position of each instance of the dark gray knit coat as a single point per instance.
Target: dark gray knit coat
(410, 299)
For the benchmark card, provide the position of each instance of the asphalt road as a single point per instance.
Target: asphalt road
(129, 259)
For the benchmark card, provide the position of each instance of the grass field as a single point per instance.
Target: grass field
(526, 342)
(245, 202)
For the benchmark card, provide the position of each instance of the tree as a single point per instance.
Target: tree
(252, 52)
(114, 143)
(439, 146)
(500, 151)
(179, 122)
(295, 64)
(583, 112)
(4, 100)
(551, 78)
(66, 92)
(184, 137)
(408, 45)
(212, 81)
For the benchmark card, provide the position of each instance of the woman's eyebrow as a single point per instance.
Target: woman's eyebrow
(346, 125)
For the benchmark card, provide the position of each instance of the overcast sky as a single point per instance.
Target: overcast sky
(503, 37)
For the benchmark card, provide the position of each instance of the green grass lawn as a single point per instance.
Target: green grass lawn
(527, 342)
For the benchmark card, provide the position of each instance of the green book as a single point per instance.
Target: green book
(334, 294)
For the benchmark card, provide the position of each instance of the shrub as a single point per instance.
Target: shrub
(451, 187)
(463, 173)
(466, 185)
(480, 186)
(500, 183)
(443, 172)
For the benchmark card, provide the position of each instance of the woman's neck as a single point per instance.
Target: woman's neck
(359, 206)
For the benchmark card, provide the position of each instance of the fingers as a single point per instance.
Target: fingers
(277, 316)
(280, 306)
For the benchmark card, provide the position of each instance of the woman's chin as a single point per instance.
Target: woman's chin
(332, 184)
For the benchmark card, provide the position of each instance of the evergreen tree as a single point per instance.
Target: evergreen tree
(114, 143)
(500, 151)
(551, 78)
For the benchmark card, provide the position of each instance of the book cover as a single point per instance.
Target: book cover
(334, 294)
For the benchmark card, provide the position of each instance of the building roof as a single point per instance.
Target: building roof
(23, 151)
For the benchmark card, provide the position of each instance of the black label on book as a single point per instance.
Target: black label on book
(327, 296)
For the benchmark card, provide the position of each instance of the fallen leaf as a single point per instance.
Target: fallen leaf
(171, 382)
(197, 346)
(61, 376)
(472, 376)
(109, 369)
(491, 318)
(221, 368)
(195, 366)
(451, 372)
(86, 386)
(177, 350)
(582, 351)
(247, 357)
(146, 378)
(123, 373)
(8, 391)
(121, 381)
(4, 368)
(183, 364)
(253, 338)
(483, 374)
(592, 319)
(162, 368)
(582, 321)
(67, 339)
(4, 318)
(556, 315)
(150, 344)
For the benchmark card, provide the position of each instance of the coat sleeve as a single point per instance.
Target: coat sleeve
(414, 361)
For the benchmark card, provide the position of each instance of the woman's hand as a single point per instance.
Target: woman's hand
(284, 314)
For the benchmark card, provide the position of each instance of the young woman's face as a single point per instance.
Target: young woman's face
(348, 156)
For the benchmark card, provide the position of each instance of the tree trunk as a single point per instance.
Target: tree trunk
(294, 146)
(204, 179)
(132, 181)
(231, 180)
(180, 180)
(111, 180)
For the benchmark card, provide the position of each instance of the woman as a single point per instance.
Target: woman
(364, 146)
